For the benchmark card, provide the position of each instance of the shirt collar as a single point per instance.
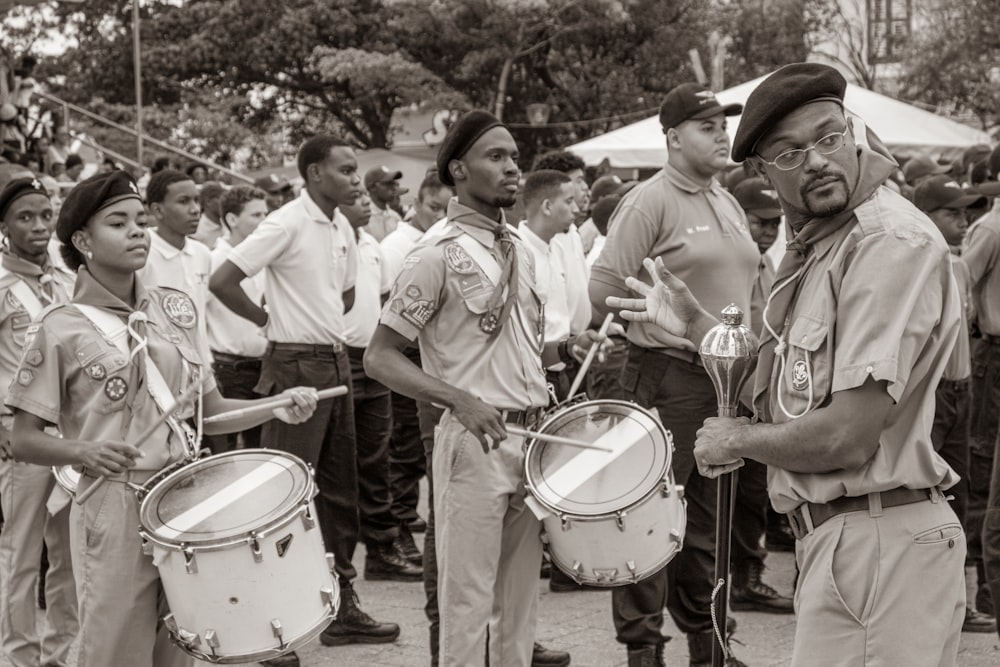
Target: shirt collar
(531, 238)
(474, 223)
(90, 292)
(314, 211)
(19, 265)
(168, 250)
(684, 182)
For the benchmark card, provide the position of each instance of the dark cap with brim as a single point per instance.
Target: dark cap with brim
(461, 136)
(757, 197)
(20, 187)
(92, 196)
(778, 95)
(692, 101)
(944, 192)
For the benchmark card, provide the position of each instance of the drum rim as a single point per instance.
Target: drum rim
(664, 477)
(294, 509)
(63, 478)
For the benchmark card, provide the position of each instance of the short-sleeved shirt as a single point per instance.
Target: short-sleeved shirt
(982, 256)
(700, 232)
(15, 318)
(877, 299)
(439, 298)
(562, 286)
(228, 332)
(310, 261)
(186, 269)
(960, 362)
(372, 282)
(761, 289)
(72, 376)
(382, 222)
(209, 232)
(396, 246)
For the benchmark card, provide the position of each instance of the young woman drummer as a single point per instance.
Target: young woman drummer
(74, 375)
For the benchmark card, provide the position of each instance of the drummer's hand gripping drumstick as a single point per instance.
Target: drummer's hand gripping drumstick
(555, 439)
(590, 356)
(267, 406)
(185, 396)
(729, 354)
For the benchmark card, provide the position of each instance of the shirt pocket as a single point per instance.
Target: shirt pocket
(806, 373)
(19, 328)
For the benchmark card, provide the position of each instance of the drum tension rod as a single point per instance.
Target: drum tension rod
(620, 519)
(278, 632)
(189, 562)
(258, 557)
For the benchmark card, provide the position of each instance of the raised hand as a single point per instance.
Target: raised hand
(667, 303)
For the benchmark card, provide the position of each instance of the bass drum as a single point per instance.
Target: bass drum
(240, 555)
(610, 518)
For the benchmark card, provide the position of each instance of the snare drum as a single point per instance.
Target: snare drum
(68, 478)
(240, 555)
(610, 519)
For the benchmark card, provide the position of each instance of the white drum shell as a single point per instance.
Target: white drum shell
(252, 599)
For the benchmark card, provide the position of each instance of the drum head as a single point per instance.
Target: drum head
(587, 482)
(225, 496)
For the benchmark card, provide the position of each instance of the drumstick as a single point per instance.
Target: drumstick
(590, 356)
(144, 436)
(267, 406)
(555, 439)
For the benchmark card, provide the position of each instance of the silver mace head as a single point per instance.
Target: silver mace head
(729, 354)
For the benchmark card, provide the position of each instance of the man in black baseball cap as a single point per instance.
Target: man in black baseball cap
(692, 101)
(382, 184)
(278, 191)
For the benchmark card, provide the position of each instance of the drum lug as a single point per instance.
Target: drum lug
(565, 522)
(544, 537)
(258, 557)
(330, 562)
(212, 640)
(308, 522)
(666, 489)
(606, 575)
(680, 491)
(675, 535)
(577, 573)
(147, 546)
(181, 635)
(620, 519)
(190, 566)
(630, 564)
(326, 594)
(278, 632)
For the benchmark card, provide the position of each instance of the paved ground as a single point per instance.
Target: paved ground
(580, 623)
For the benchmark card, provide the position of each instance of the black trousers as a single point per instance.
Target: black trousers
(950, 435)
(407, 459)
(984, 419)
(325, 441)
(429, 418)
(236, 377)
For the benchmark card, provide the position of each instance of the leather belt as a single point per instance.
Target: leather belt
(684, 355)
(807, 517)
(227, 359)
(991, 339)
(310, 348)
(956, 386)
(526, 418)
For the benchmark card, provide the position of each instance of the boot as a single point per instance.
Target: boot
(546, 657)
(290, 659)
(750, 593)
(353, 626)
(645, 655)
(383, 562)
(977, 621)
(700, 647)
(407, 547)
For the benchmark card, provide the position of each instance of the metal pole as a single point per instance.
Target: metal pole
(137, 65)
(729, 353)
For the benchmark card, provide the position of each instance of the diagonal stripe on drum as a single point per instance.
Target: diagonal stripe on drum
(582, 467)
(226, 496)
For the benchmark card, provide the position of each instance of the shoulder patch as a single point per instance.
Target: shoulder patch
(25, 376)
(179, 309)
(34, 357)
(458, 260)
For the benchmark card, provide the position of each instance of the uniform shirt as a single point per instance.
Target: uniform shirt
(14, 317)
(73, 377)
(227, 331)
(562, 290)
(960, 362)
(310, 261)
(595, 250)
(209, 232)
(383, 222)
(702, 236)
(396, 246)
(852, 320)
(439, 298)
(372, 282)
(568, 248)
(982, 255)
(186, 269)
(761, 289)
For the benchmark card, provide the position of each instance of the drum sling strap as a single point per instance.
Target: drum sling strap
(110, 325)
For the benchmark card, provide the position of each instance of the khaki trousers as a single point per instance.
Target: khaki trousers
(24, 490)
(121, 600)
(882, 589)
(489, 550)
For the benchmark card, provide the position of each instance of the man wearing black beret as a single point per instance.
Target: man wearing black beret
(29, 283)
(858, 329)
(468, 295)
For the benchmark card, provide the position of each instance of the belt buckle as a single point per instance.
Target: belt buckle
(800, 521)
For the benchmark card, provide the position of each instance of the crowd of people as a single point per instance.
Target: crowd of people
(471, 311)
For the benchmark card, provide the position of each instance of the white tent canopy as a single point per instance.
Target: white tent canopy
(906, 130)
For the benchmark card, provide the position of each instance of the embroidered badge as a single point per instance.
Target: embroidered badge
(179, 309)
(419, 312)
(800, 375)
(115, 388)
(413, 292)
(458, 260)
(488, 323)
(12, 302)
(96, 371)
(411, 260)
(24, 377)
(175, 338)
(34, 357)
(397, 306)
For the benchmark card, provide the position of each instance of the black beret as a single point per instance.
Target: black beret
(18, 188)
(465, 132)
(90, 196)
(778, 95)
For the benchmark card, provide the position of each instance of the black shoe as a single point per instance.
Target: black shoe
(286, 660)
(749, 593)
(546, 657)
(353, 626)
(418, 525)
(545, 572)
(984, 601)
(645, 655)
(976, 621)
(384, 563)
(700, 646)
(560, 582)
(407, 547)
